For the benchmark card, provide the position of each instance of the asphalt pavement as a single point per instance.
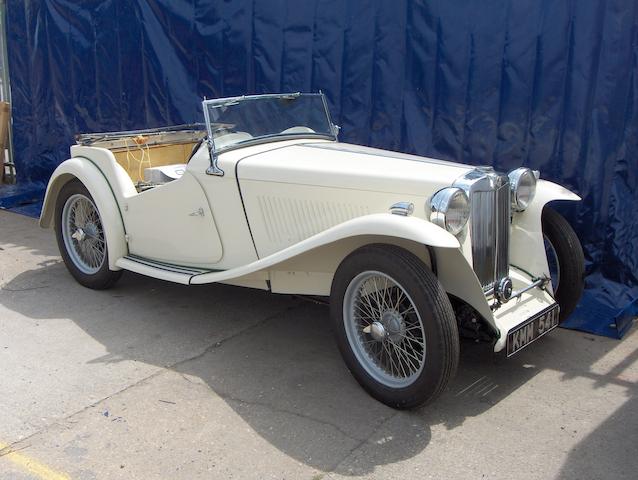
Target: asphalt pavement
(152, 380)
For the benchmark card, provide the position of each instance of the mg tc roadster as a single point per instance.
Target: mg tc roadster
(412, 252)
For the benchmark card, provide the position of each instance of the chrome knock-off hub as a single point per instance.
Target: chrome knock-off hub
(394, 325)
(391, 327)
(79, 235)
(377, 330)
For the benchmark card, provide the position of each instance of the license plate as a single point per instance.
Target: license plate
(532, 329)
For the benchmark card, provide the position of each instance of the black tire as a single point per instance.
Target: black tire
(570, 258)
(433, 306)
(104, 277)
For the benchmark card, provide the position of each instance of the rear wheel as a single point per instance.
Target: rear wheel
(394, 325)
(566, 261)
(80, 236)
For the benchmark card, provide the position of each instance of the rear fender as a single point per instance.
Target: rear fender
(95, 182)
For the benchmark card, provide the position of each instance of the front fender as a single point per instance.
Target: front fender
(323, 252)
(384, 224)
(527, 249)
(308, 267)
(97, 185)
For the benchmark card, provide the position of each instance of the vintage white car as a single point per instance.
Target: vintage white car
(412, 252)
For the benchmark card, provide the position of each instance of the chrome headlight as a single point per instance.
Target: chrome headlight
(450, 209)
(523, 186)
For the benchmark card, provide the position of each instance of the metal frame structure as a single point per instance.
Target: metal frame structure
(214, 168)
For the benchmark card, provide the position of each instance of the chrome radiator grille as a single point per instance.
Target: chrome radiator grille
(490, 231)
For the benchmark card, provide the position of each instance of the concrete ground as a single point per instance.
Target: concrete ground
(154, 380)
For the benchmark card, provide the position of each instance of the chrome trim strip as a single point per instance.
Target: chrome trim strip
(226, 101)
(167, 266)
(503, 215)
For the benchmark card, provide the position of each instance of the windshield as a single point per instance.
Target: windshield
(244, 120)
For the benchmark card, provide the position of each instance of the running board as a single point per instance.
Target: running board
(161, 270)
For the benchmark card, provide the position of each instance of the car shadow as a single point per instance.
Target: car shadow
(609, 451)
(282, 372)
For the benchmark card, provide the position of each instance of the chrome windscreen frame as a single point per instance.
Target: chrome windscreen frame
(214, 168)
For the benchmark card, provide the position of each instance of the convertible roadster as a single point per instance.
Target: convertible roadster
(412, 252)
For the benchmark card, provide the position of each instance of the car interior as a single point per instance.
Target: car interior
(150, 158)
(157, 156)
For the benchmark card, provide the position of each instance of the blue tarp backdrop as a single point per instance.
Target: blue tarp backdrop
(550, 84)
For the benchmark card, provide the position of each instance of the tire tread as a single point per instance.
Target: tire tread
(445, 310)
(570, 257)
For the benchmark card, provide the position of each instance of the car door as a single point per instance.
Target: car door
(173, 223)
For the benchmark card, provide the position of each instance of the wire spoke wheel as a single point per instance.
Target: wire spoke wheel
(384, 329)
(83, 234)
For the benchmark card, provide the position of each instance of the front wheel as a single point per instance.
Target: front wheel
(566, 261)
(80, 236)
(394, 325)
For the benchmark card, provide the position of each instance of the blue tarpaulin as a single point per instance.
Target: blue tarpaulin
(549, 84)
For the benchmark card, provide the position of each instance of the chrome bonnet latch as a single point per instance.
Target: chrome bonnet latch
(404, 209)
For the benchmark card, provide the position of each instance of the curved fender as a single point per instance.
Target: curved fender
(102, 194)
(380, 224)
(547, 191)
(527, 249)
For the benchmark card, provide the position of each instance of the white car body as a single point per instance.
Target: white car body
(285, 213)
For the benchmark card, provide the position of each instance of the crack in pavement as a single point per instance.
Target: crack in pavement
(9, 449)
(219, 343)
(4, 288)
(13, 446)
(361, 444)
(230, 398)
(272, 408)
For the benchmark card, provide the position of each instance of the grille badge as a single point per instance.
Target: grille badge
(504, 289)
